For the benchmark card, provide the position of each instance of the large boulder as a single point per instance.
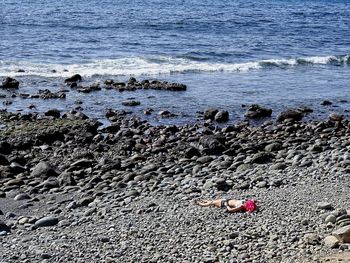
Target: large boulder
(209, 114)
(342, 234)
(9, 83)
(74, 78)
(256, 111)
(294, 115)
(222, 116)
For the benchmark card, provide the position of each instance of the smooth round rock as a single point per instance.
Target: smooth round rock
(46, 221)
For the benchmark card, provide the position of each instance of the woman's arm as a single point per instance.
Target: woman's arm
(233, 209)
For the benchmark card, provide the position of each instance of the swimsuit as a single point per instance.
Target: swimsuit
(224, 203)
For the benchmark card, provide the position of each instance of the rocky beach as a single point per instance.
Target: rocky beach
(73, 189)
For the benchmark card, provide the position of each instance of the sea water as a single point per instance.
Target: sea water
(276, 53)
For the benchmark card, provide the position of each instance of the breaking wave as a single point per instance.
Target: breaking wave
(156, 66)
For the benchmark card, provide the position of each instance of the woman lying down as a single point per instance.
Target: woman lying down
(231, 205)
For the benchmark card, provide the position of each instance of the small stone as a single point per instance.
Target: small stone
(23, 220)
(85, 201)
(104, 239)
(131, 103)
(45, 256)
(204, 159)
(312, 239)
(330, 219)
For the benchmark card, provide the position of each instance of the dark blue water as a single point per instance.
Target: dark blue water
(277, 53)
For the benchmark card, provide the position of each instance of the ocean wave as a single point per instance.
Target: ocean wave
(156, 66)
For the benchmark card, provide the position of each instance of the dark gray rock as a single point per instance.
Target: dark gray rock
(294, 115)
(5, 148)
(222, 116)
(4, 227)
(326, 103)
(261, 157)
(209, 114)
(131, 103)
(3, 160)
(46, 221)
(256, 111)
(43, 170)
(74, 78)
(53, 113)
(9, 83)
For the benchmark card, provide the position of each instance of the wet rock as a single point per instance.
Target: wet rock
(222, 116)
(48, 94)
(74, 78)
(166, 114)
(305, 109)
(131, 103)
(9, 83)
(256, 111)
(334, 117)
(53, 113)
(326, 103)
(291, 114)
(209, 114)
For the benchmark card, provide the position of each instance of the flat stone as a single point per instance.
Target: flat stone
(204, 159)
(46, 221)
(324, 205)
(331, 241)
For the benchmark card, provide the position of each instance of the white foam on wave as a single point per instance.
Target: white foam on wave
(150, 66)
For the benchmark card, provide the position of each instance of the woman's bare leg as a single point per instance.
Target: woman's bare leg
(204, 203)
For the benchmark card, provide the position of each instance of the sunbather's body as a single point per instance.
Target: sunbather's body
(231, 205)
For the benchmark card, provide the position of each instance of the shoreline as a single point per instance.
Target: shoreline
(151, 98)
(133, 184)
